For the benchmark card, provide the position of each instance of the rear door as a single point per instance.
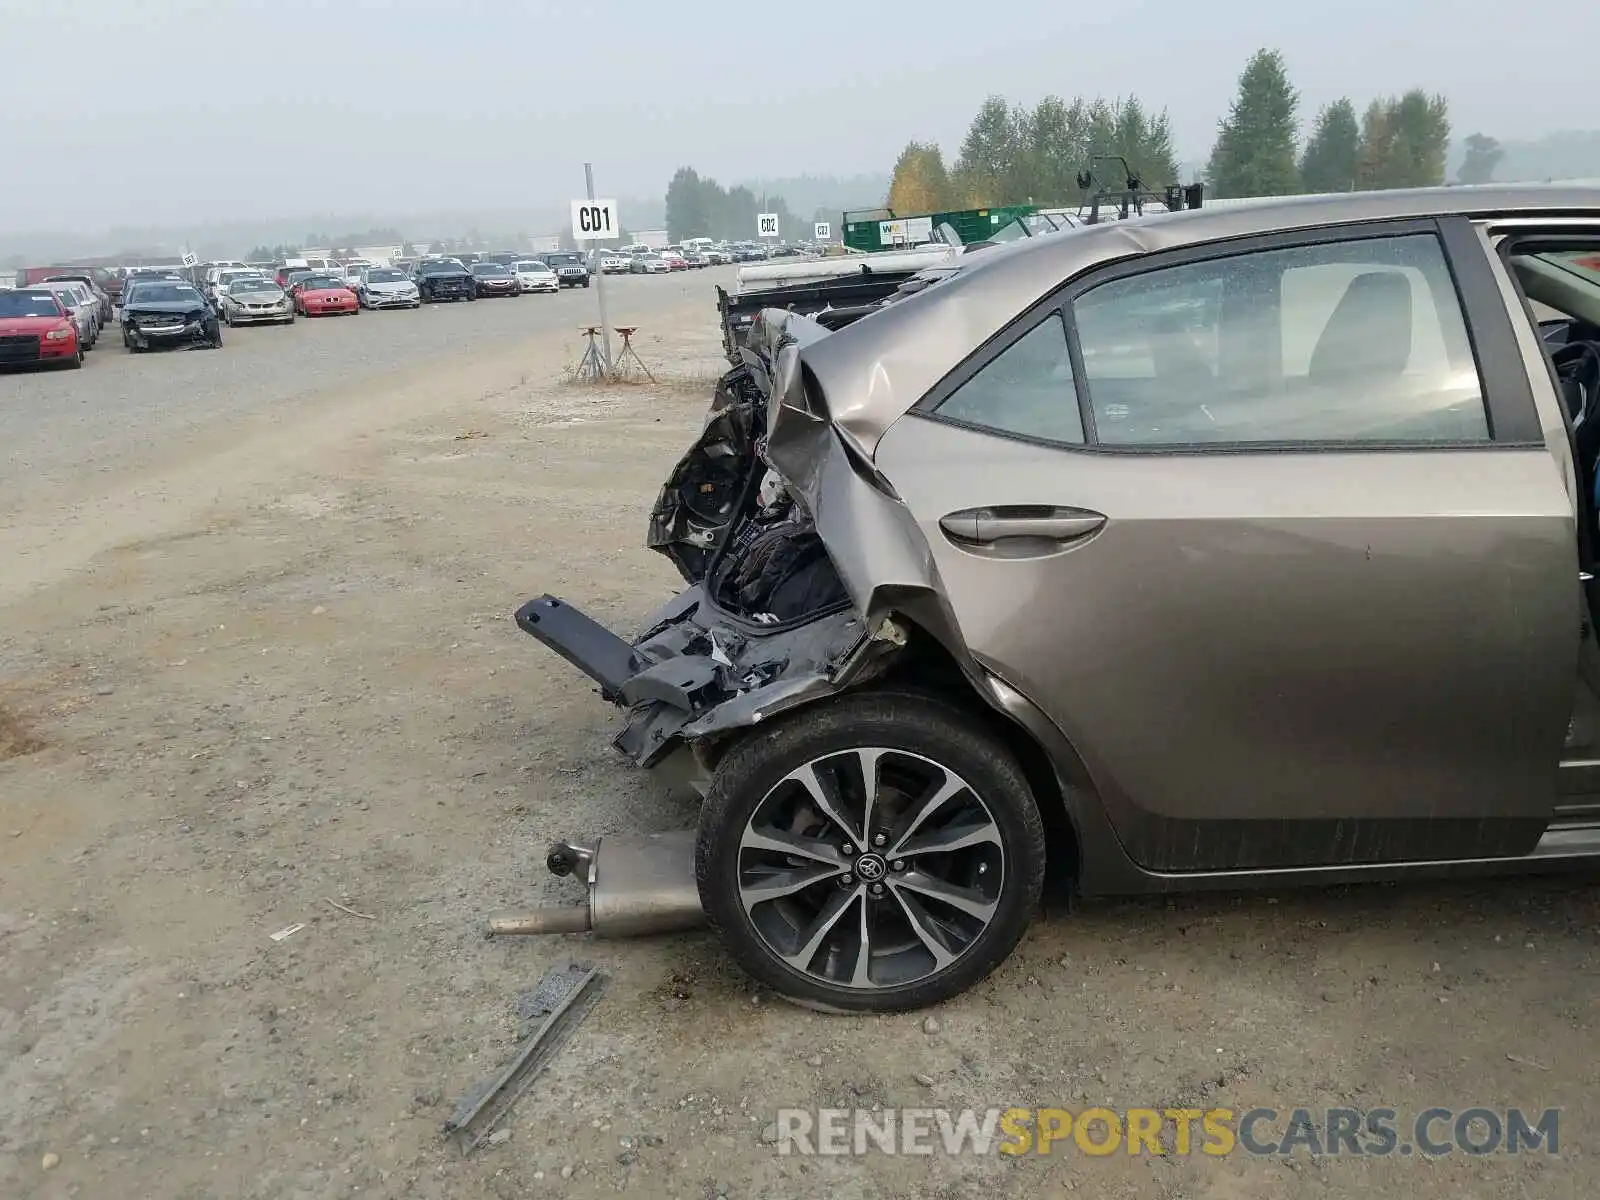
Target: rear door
(1272, 532)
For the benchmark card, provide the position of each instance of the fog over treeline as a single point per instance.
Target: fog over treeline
(221, 126)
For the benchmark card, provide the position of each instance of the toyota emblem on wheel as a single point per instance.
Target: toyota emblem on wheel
(871, 868)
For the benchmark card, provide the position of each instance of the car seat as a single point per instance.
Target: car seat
(1368, 337)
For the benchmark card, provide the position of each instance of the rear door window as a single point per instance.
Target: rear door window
(1026, 390)
(1359, 341)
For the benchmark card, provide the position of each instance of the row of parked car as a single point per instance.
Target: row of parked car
(242, 292)
(57, 320)
(57, 315)
(644, 260)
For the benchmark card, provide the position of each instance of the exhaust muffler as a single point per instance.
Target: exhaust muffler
(639, 883)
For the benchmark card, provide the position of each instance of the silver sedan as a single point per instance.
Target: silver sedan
(387, 287)
(255, 300)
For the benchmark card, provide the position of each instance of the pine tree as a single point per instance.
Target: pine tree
(1404, 142)
(688, 210)
(1255, 150)
(1483, 156)
(990, 155)
(1145, 141)
(1329, 161)
(1422, 139)
(920, 183)
(1375, 156)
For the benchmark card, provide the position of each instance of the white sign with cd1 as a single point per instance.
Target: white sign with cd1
(823, 231)
(595, 220)
(767, 224)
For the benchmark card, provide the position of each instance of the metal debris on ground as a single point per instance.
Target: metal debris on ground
(552, 990)
(288, 931)
(564, 997)
(345, 909)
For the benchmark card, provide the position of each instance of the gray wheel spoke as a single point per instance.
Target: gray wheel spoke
(942, 957)
(957, 837)
(867, 764)
(822, 925)
(973, 903)
(785, 883)
(859, 977)
(778, 842)
(806, 777)
(947, 790)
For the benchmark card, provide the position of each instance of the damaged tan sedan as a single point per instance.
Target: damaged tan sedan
(1238, 547)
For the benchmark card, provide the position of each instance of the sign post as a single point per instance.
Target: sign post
(594, 221)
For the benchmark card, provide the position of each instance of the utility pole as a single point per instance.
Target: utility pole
(599, 276)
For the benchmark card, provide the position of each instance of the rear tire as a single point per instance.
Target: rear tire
(810, 925)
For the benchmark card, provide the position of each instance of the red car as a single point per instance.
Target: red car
(320, 295)
(35, 329)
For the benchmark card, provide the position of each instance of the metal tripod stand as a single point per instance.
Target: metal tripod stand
(592, 367)
(628, 359)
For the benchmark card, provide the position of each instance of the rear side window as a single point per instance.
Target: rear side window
(1026, 390)
(1349, 341)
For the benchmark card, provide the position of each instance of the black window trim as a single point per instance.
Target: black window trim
(1508, 401)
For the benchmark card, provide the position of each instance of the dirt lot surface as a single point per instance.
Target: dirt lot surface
(260, 662)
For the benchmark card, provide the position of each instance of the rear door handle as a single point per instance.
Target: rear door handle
(984, 526)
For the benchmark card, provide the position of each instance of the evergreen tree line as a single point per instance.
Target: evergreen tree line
(1013, 154)
(698, 206)
(1398, 141)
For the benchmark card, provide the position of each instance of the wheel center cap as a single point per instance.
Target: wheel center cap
(871, 867)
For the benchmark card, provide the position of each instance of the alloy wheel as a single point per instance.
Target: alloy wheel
(870, 868)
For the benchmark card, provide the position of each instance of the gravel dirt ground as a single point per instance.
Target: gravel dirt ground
(256, 659)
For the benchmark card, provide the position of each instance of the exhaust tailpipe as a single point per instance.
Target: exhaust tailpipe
(639, 883)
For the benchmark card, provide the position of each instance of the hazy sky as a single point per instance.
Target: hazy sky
(133, 112)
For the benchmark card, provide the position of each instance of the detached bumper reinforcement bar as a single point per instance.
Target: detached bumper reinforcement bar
(591, 647)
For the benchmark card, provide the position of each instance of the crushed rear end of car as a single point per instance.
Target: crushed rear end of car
(780, 609)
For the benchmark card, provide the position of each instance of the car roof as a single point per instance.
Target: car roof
(913, 344)
(1037, 263)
